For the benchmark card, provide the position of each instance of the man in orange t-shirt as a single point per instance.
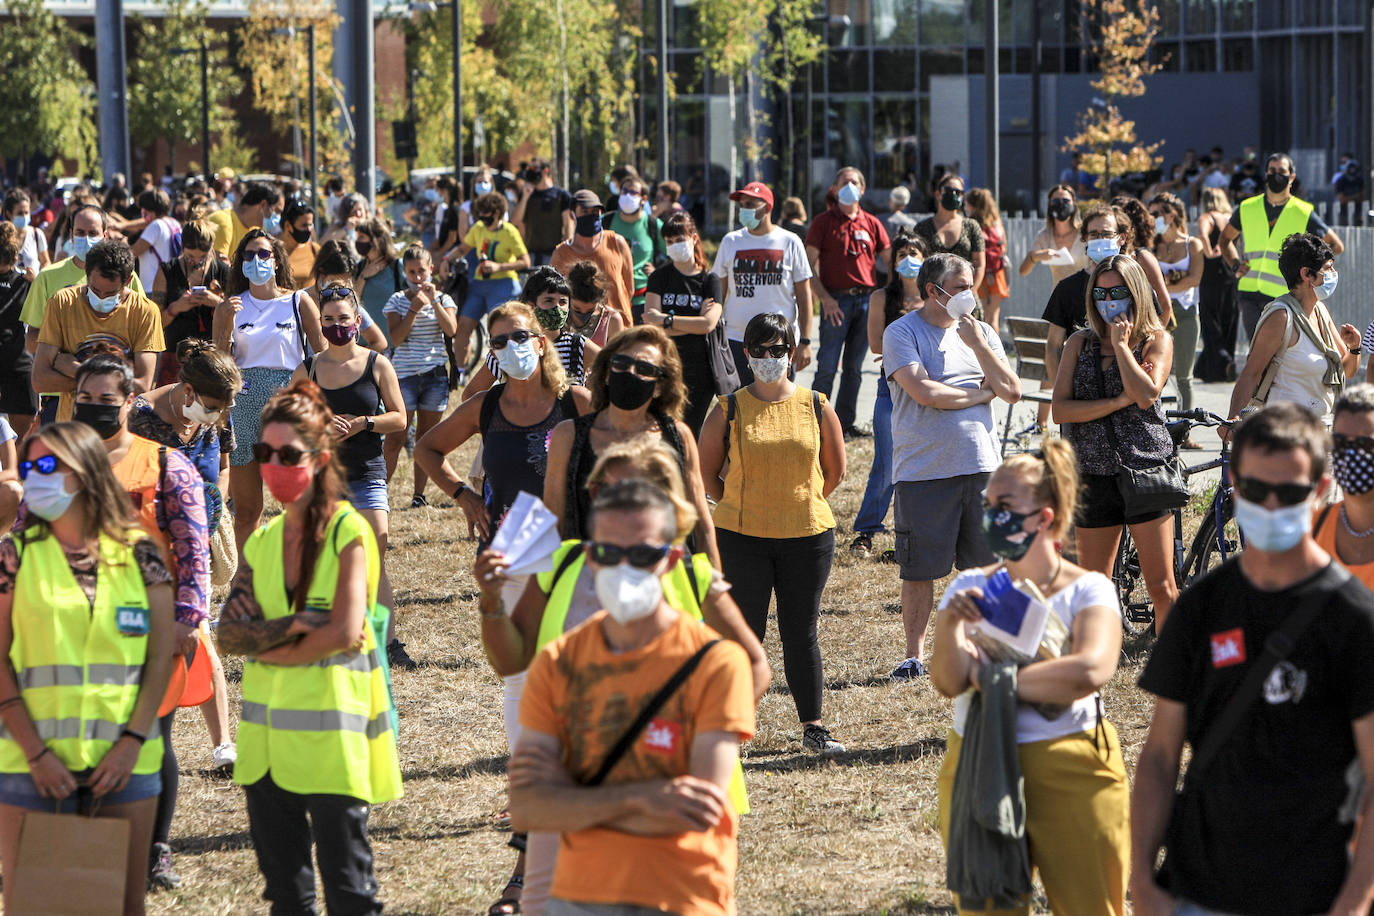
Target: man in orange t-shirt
(608, 251)
(660, 834)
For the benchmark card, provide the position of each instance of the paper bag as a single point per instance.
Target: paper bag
(69, 865)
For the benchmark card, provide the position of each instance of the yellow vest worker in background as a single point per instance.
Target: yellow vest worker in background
(315, 732)
(86, 625)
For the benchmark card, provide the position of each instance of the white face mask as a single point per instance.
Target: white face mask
(961, 303)
(681, 251)
(197, 412)
(627, 592)
(1273, 530)
(767, 369)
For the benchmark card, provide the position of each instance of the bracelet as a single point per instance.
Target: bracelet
(141, 739)
(804, 342)
(39, 756)
(500, 610)
(459, 492)
(10, 702)
(1357, 351)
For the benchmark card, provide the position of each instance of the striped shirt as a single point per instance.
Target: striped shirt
(423, 348)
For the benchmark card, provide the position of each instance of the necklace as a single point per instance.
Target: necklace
(1058, 568)
(1345, 522)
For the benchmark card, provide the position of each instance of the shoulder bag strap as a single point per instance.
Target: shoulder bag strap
(489, 407)
(300, 327)
(647, 713)
(1321, 518)
(1102, 391)
(1276, 648)
(729, 422)
(1272, 370)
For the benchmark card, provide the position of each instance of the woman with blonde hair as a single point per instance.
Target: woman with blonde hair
(1107, 392)
(996, 277)
(81, 586)
(1076, 796)
(1218, 308)
(377, 275)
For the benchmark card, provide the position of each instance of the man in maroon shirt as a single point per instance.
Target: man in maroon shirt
(843, 245)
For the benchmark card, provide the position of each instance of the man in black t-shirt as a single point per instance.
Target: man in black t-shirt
(543, 214)
(1266, 828)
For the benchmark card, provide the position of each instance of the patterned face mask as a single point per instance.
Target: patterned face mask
(1353, 466)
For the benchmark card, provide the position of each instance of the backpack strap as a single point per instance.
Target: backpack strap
(568, 404)
(729, 422)
(488, 410)
(817, 409)
(1321, 518)
(300, 328)
(569, 558)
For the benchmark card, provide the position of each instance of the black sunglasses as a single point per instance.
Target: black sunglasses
(776, 351)
(644, 556)
(519, 335)
(1340, 440)
(1289, 494)
(335, 292)
(290, 455)
(262, 254)
(1101, 293)
(623, 362)
(45, 465)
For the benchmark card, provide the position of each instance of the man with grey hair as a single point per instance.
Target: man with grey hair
(944, 368)
(897, 219)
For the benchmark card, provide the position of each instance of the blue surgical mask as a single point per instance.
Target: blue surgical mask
(1328, 286)
(1109, 309)
(103, 306)
(431, 195)
(1101, 249)
(482, 187)
(1273, 530)
(258, 271)
(849, 194)
(46, 495)
(518, 360)
(78, 246)
(272, 224)
(20, 222)
(748, 218)
(909, 267)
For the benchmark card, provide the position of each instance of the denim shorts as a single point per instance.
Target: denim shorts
(369, 493)
(426, 391)
(17, 789)
(485, 295)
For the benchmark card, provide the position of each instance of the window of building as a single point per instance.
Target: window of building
(1238, 55)
(942, 22)
(940, 62)
(895, 143)
(1200, 16)
(1237, 15)
(894, 22)
(894, 70)
(1275, 14)
(1202, 56)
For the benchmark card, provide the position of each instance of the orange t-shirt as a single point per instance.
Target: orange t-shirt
(584, 694)
(1324, 533)
(612, 264)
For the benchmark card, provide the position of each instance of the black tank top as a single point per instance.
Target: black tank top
(515, 457)
(578, 504)
(361, 454)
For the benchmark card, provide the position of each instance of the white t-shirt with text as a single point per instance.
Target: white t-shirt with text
(761, 272)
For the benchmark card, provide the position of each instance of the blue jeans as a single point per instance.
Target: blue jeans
(878, 491)
(851, 336)
(485, 295)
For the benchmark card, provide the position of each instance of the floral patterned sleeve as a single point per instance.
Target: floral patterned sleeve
(9, 565)
(181, 513)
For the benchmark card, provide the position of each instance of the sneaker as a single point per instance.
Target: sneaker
(226, 755)
(418, 501)
(817, 738)
(161, 875)
(397, 656)
(909, 670)
(888, 556)
(861, 544)
(858, 432)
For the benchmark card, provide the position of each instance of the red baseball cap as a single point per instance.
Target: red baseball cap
(754, 189)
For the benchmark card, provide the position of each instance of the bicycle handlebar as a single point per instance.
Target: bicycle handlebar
(1198, 417)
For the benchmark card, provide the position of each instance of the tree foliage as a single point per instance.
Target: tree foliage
(164, 80)
(49, 100)
(1122, 32)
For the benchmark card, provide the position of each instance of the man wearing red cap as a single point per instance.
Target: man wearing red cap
(763, 268)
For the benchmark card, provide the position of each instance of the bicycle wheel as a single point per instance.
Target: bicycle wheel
(1209, 548)
(1137, 611)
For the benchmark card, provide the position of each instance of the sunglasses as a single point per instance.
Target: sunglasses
(335, 292)
(290, 455)
(777, 351)
(262, 254)
(45, 465)
(622, 362)
(1289, 494)
(1103, 293)
(643, 556)
(1340, 440)
(519, 335)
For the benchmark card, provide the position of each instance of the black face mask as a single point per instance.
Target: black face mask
(103, 418)
(951, 199)
(588, 224)
(300, 235)
(1277, 183)
(628, 391)
(1061, 208)
(363, 248)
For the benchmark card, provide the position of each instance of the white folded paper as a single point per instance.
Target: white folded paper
(528, 536)
(1061, 257)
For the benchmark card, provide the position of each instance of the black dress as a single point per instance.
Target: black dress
(1218, 312)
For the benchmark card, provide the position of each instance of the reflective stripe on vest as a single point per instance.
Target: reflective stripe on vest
(1262, 244)
(79, 676)
(325, 727)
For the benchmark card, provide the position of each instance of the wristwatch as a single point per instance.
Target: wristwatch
(667, 321)
(371, 423)
(804, 342)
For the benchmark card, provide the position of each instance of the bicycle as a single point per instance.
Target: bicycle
(1216, 539)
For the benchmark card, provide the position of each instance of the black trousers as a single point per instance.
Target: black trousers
(1219, 311)
(171, 779)
(282, 835)
(796, 569)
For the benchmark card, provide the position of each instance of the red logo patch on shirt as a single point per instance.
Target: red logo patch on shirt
(663, 736)
(1228, 648)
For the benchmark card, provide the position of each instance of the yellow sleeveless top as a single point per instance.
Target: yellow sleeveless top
(774, 482)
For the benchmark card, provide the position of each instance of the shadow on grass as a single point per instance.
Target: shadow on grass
(459, 663)
(787, 761)
(446, 832)
(873, 680)
(482, 766)
(413, 600)
(224, 842)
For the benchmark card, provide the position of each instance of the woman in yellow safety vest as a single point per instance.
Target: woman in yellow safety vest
(86, 625)
(557, 601)
(315, 733)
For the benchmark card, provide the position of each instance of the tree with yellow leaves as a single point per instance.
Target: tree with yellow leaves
(1122, 32)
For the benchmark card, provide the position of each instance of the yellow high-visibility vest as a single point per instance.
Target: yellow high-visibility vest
(1262, 243)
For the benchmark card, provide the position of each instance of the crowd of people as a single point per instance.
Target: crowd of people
(175, 349)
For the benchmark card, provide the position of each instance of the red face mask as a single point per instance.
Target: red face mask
(286, 484)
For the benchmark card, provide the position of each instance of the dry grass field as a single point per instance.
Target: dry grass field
(852, 835)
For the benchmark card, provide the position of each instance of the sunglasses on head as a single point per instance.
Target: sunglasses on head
(1103, 293)
(644, 556)
(290, 455)
(519, 335)
(45, 465)
(776, 351)
(1289, 494)
(332, 293)
(262, 254)
(623, 362)
(1340, 440)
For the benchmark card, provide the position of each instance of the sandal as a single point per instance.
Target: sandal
(509, 905)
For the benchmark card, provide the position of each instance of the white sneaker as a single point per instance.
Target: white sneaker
(225, 756)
